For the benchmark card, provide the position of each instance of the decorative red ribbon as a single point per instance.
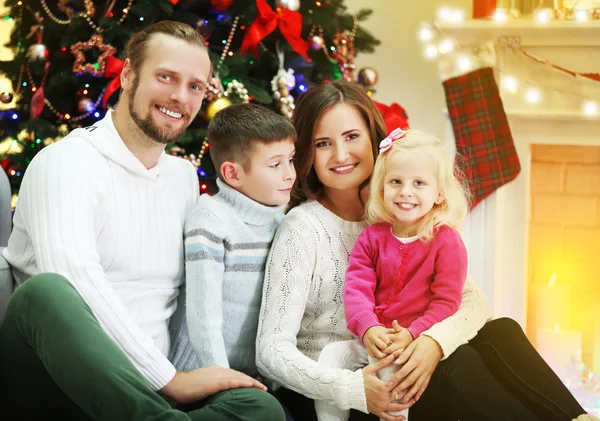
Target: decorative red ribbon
(288, 21)
(113, 69)
(593, 76)
(37, 100)
(394, 115)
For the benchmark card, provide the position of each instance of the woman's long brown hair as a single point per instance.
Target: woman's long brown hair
(310, 108)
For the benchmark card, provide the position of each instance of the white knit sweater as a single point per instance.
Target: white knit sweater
(89, 210)
(302, 308)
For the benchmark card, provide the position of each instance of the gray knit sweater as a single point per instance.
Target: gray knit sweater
(227, 238)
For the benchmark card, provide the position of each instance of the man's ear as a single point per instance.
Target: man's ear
(232, 173)
(127, 75)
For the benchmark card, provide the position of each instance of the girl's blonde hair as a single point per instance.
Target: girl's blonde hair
(452, 186)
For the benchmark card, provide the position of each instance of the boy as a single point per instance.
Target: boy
(228, 236)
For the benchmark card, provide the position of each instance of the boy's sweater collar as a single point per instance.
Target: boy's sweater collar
(249, 211)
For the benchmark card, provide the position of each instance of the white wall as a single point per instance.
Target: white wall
(405, 76)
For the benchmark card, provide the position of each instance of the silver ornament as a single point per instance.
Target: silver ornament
(37, 52)
(85, 105)
(368, 76)
(317, 42)
(289, 4)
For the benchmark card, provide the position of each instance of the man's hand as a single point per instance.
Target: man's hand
(376, 339)
(199, 384)
(400, 339)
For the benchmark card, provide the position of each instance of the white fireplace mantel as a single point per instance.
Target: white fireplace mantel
(496, 232)
(559, 33)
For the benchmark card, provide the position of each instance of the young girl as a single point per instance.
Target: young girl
(410, 264)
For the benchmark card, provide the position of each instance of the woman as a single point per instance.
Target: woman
(339, 129)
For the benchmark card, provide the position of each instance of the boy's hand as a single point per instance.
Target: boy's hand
(399, 340)
(376, 339)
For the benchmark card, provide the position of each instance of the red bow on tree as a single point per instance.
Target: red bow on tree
(394, 115)
(113, 68)
(288, 21)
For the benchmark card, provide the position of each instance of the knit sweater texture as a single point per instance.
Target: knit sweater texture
(418, 284)
(302, 308)
(91, 211)
(227, 239)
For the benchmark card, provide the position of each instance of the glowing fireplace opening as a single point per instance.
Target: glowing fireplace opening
(563, 292)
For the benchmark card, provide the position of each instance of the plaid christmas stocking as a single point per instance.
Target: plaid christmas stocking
(485, 150)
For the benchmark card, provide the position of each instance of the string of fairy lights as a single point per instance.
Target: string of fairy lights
(437, 45)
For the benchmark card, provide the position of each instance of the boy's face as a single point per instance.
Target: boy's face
(271, 174)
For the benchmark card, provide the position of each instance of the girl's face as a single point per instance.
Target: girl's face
(343, 156)
(410, 190)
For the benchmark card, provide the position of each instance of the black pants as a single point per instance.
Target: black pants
(497, 376)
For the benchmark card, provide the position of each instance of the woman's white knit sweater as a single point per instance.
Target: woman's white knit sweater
(302, 308)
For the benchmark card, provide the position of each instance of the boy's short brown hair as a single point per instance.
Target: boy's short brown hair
(234, 130)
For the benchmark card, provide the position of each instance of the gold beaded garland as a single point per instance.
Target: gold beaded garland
(87, 15)
(79, 66)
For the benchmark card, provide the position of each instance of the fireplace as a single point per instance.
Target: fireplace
(563, 262)
(534, 245)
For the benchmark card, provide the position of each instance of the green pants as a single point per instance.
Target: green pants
(56, 362)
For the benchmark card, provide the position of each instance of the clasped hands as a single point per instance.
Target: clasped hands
(381, 342)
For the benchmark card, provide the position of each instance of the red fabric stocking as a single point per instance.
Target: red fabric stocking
(485, 150)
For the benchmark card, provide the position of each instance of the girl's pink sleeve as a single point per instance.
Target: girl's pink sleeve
(359, 286)
(450, 275)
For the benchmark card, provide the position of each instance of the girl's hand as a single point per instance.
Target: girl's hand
(401, 338)
(419, 361)
(376, 339)
(378, 396)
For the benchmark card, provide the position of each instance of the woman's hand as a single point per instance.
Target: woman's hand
(375, 340)
(379, 398)
(418, 362)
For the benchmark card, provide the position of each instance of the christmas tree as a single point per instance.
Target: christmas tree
(68, 55)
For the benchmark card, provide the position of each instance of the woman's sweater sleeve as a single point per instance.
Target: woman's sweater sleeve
(286, 291)
(462, 326)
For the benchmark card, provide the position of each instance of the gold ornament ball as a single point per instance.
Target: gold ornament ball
(368, 76)
(215, 106)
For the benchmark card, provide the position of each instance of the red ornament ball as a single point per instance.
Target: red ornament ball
(220, 5)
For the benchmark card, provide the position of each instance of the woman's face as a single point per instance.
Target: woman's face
(343, 156)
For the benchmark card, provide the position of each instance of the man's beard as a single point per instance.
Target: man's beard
(149, 127)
